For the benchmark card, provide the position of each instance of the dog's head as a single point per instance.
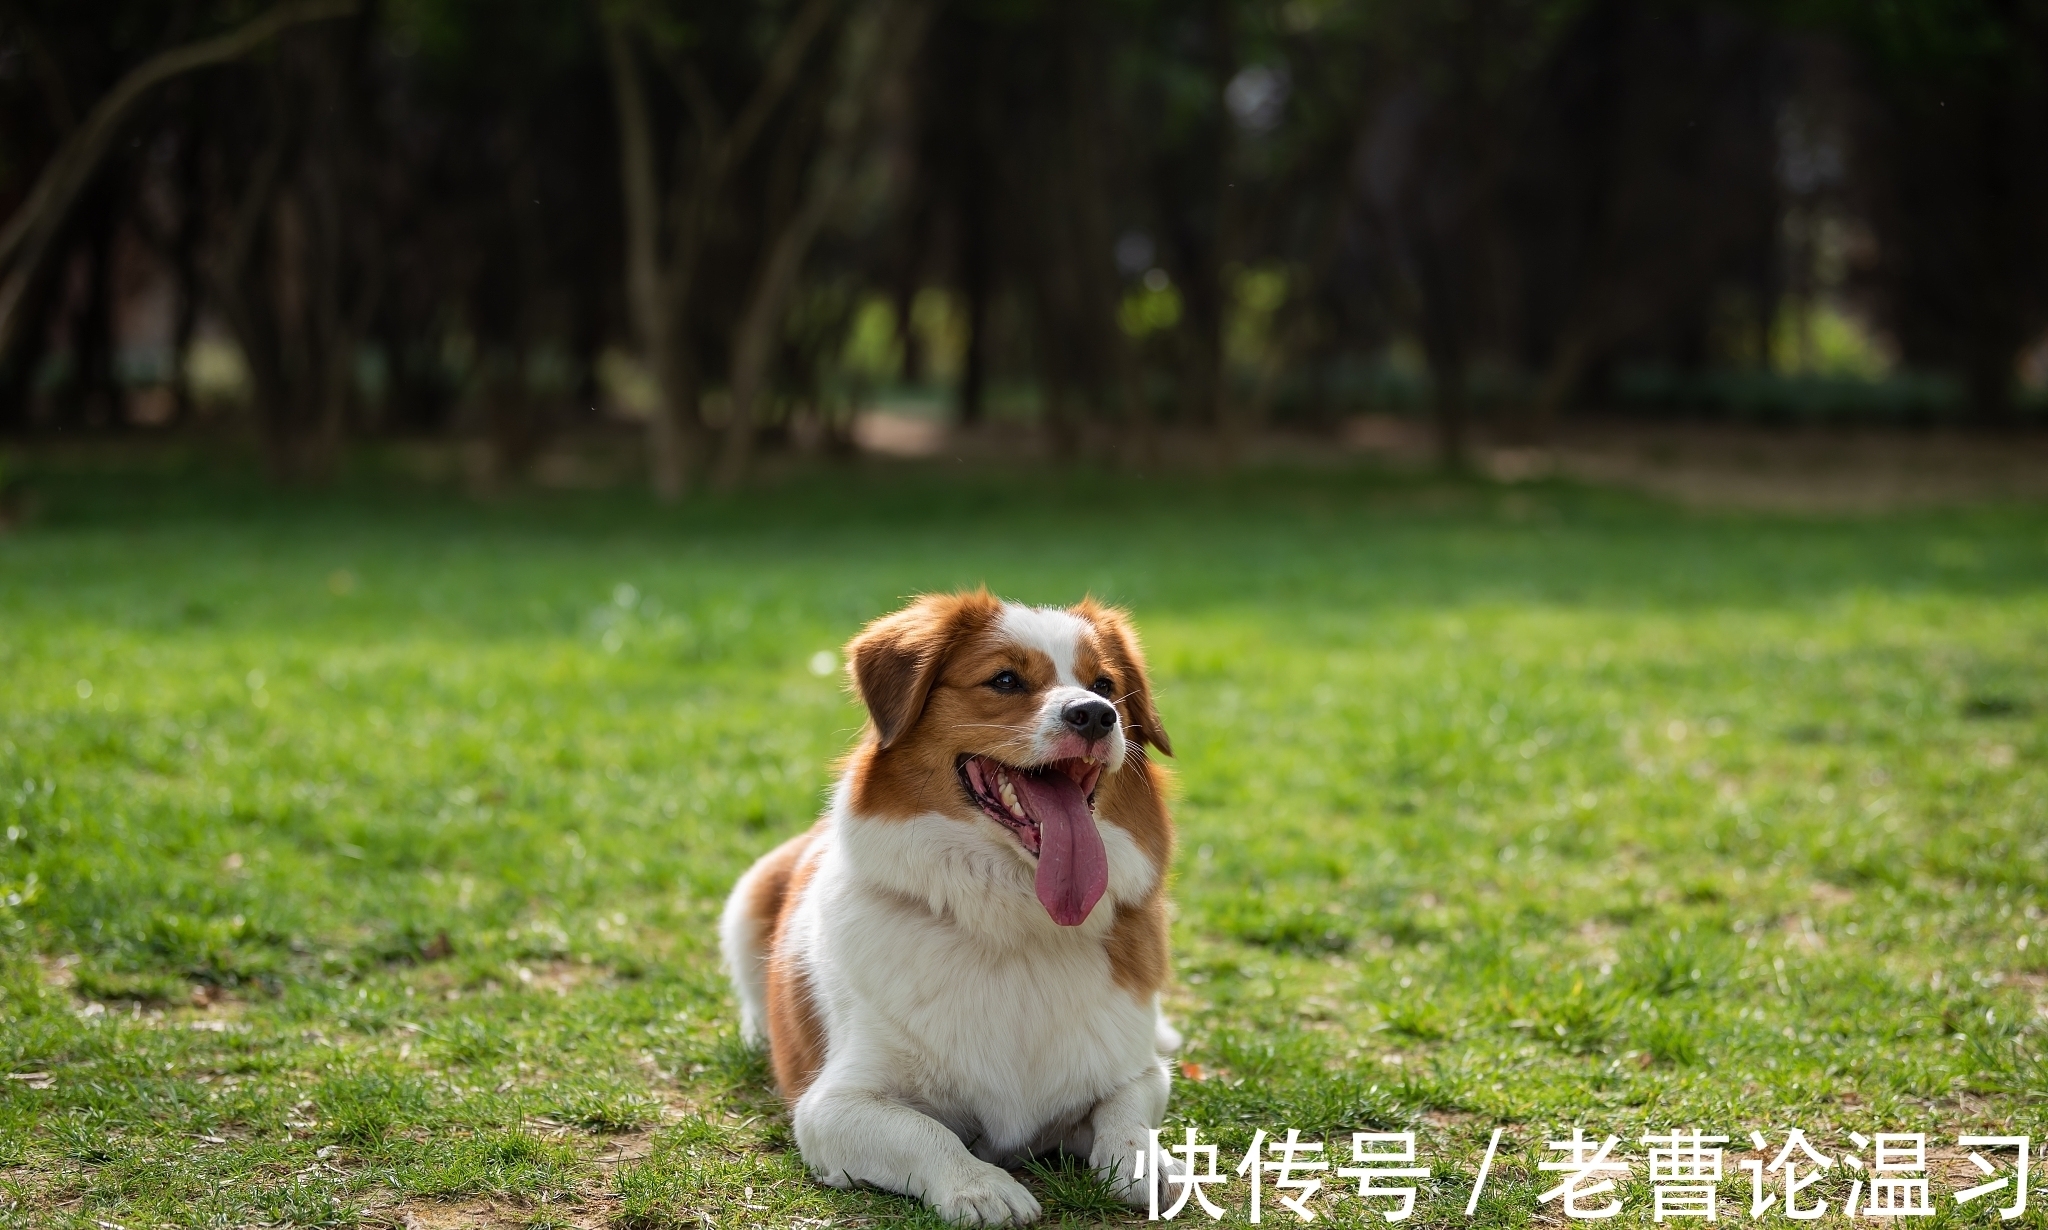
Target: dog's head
(1013, 717)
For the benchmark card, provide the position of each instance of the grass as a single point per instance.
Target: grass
(362, 850)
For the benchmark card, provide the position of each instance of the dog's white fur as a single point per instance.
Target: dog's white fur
(965, 1030)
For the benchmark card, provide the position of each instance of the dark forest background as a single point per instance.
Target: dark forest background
(718, 230)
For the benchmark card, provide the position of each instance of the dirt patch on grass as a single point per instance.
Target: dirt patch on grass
(59, 971)
(552, 977)
(557, 977)
(1811, 469)
(1800, 932)
(1829, 894)
(488, 1215)
(626, 1148)
(2033, 982)
(1799, 470)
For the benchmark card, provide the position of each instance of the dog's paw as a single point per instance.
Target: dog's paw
(1119, 1168)
(985, 1196)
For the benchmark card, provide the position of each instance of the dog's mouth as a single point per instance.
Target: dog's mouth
(1005, 793)
(1050, 810)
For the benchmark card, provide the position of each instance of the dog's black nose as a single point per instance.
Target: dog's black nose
(1091, 719)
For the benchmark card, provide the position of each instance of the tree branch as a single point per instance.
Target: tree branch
(783, 64)
(25, 240)
(73, 164)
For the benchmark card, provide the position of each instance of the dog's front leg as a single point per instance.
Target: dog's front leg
(848, 1134)
(1123, 1122)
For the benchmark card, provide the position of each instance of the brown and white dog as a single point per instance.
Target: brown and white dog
(958, 967)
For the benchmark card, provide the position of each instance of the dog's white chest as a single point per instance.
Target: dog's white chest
(1000, 1040)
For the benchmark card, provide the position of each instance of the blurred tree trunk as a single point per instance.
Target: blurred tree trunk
(972, 122)
(977, 285)
(92, 399)
(1991, 349)
(1576, 349)
(21, 359)
(1204, 242)
(760, 325)
(179, 251)
(878, 44)
(1221, 412)
(297, 271)
(1101, 292)
(1440, 153)
(1443, 344)
(514, 311)
(661, 276)
(656, 296)
(236, 278)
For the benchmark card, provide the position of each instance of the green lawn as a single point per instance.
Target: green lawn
(362, 850)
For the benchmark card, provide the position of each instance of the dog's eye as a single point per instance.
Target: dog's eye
(1007, 681)
(1102, 686)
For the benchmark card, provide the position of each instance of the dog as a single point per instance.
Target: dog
(958, 967)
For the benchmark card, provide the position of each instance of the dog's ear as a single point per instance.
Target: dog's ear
(1119, 642)
(895, 659)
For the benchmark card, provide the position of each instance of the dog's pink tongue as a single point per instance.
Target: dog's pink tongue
(1073, 868)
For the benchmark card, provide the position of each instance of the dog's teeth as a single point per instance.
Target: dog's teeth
(1009, 794)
